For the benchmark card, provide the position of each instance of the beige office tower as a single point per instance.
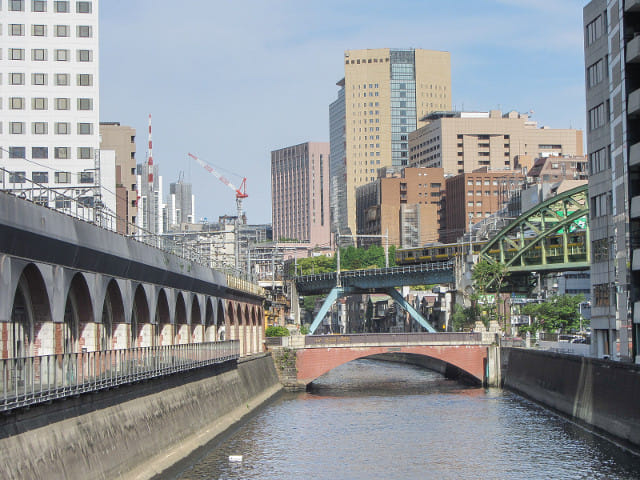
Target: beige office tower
(382, 96)
(465, 141)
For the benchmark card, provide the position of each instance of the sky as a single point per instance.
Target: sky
(232, 80)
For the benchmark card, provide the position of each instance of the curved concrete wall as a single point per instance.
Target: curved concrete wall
(135, 431)
(603, 394)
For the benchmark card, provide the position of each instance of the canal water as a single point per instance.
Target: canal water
(378, 420)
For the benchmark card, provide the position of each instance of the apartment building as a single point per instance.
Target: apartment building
(382, 97)
(465, 141)
(49, 120)
(406, 206)
(300, 193)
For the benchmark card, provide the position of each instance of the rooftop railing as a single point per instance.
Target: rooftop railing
(28, 381)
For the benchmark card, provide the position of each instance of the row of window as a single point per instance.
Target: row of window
(42, 55)
(61, 31)
(42, 128)
(59, 177)
(42, 103)
(60, 153)
(598, 116)
(601, 205)
(599, 161)
(596, 28)
(478, 193)
(59, 79)
(59, 6)
(596, 72)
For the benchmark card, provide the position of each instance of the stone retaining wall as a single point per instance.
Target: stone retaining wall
(135, 431)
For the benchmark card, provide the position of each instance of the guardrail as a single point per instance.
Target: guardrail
(418, 268)
(393, 338)
(32, 380)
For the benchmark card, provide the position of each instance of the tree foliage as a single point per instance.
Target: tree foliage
(464, 318)
(276, 332)
(559, 313)
(489, 277)
(351, 258)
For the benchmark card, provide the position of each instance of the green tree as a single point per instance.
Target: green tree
(489, 277)
(464, 317)
(559, 313)
(276, 332)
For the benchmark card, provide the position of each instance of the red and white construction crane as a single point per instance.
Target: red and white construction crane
(241, 193)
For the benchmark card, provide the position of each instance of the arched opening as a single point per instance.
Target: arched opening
(164, 329)
(254, 329)
(139, 317)
(222, 323)
(231, 322)
(209, 325)
(30, 322)
(182, 327)
(112, 315)
(78, 327)
(248, 331)
(196, 322)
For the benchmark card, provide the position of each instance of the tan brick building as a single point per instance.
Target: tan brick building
(465, 141)
(382, 97)
(122, 140)
(473, 196)
(408, 206)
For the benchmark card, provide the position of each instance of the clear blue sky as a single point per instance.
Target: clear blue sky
(231, 80)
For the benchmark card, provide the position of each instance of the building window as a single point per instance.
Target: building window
(17, 152)
(39, 30)
(38, 5)
(597, 117)
(602, 295)
(61, 6)
(62, 103)
(85, 128)
(83, 7)
(595, 73)
(594, 30)
(16, 29)
(16, 103)
(62, 177)
(85, 104)
(601, 205)
(62, 30)
(17, 177)
(85, 153)
(39, 103)
(16, 5)
(39, 128)
(62, 202)
(599, 161)
(40, 177)
(62, 79)
(39, 54)
(84, 31)
(85, 55)
(16, 128)
(62, 55)
(63, 128)
(85, 177)
(62, 153)
(38, 79)
(85, 79)
(16, 54)
(40, 152)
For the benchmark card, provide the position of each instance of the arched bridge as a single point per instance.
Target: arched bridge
(376, 280)
(464, 352)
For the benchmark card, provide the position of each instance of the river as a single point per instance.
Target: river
(377, 420)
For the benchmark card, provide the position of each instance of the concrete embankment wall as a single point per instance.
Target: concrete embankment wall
(599, 393)
(135, 431)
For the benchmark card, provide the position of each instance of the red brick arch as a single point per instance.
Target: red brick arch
(312, 363)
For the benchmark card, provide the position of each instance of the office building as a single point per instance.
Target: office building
(382, 97)
(474, 196)
(122, 140)
(300, 194)
(49, 116)
(407, 206)
(465, 141)
(181, 205)
(151, 210)
(612, 55)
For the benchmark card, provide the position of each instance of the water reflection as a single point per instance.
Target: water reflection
(370, 419)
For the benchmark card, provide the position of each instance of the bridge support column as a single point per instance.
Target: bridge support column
(334, 294)
(393, 293)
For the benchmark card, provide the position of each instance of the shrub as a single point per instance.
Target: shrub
(276, 332)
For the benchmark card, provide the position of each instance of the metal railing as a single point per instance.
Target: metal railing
(417, 268)
(32, 380)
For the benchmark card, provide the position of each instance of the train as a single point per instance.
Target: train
(442, 252)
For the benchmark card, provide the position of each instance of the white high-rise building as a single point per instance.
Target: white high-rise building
(49, 94)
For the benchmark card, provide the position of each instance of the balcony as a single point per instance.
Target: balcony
(635, 266)
(634, 155)
(632, 5)
(633, 50)
(635, 207)
(633, 103)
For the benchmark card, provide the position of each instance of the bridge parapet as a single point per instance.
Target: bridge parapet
(400, 339)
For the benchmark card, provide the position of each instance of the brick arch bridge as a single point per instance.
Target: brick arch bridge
(464, 351)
